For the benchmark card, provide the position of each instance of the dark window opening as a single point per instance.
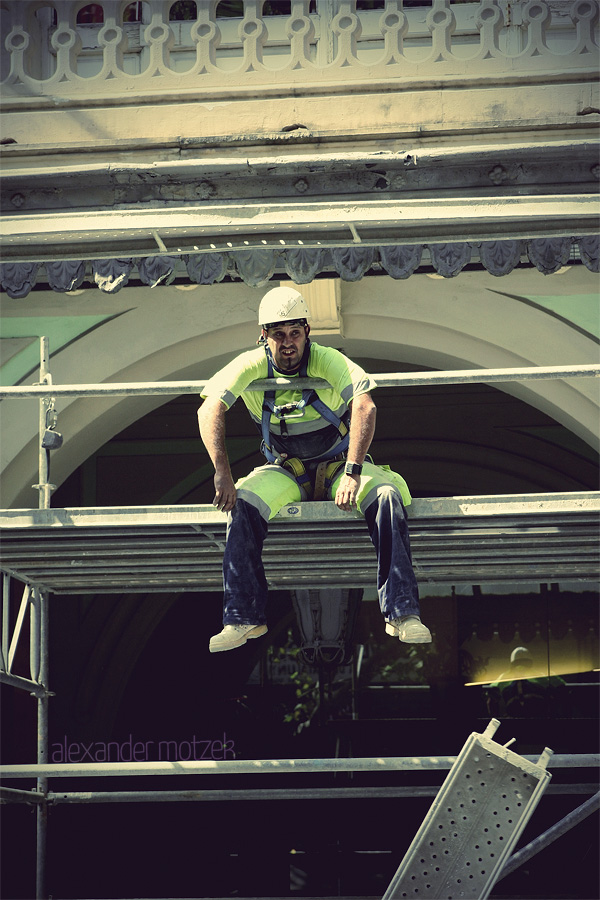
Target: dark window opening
(93, 14)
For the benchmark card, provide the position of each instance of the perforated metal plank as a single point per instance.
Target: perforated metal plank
(473, 824)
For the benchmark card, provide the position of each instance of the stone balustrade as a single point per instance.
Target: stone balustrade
(72, 52)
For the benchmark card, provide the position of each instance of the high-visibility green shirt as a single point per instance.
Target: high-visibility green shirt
(347, 380)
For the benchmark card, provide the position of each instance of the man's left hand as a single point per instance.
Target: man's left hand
(345, 496)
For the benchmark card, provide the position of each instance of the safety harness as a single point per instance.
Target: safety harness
(295, 410)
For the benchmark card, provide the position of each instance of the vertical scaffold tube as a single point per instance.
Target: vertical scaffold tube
(42, 747)
(44, 457)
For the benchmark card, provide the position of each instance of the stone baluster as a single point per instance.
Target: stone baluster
(18, 46)
(113, 41)
(159, 37)
(394, 25)
(584, 14)
(536, 15)
(207, 35)
(300, 30)
(489, 20)
(253, 34)
(442, 24)
(66, 42)
(347, 28)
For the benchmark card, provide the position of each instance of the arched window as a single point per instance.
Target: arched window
(133, 12)
(92, 14)
(230, 9)
(183, 11)
(47, 15)
(277, 8)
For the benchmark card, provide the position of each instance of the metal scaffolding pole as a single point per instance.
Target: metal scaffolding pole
(552, 834)
(266, 766)
(42, 745)
(393, 379)
(45, 403)
(39, 648)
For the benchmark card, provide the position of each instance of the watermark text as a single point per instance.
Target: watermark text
(131, 750)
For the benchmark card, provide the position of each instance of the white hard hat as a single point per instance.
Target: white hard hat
(282, 304)
(520, 653)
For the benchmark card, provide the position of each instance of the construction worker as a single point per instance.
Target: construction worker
(525, 689)
(315, 443)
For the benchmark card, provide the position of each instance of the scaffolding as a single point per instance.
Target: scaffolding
(530, 537)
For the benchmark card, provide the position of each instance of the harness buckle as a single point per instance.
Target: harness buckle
(284, 411)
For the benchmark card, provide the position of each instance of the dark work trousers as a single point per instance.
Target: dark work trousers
(245, 585)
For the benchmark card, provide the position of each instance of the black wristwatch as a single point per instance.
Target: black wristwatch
(353, 468)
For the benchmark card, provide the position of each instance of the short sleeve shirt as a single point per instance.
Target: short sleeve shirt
(347, 380)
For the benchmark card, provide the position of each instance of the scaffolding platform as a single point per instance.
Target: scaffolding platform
(506, 538)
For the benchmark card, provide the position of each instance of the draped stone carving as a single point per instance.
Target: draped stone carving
(17, 279)
(589, 250)
(65, 275)
(500, 257)
(155, 270)
(111, 274)
(257, 266)
(549, 254)
(303, 264)
(207, 268)
(450, 259)
(351, 263)
(401, 261)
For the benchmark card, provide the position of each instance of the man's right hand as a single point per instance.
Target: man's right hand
(225, 492)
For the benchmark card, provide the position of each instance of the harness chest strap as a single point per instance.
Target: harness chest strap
(309, 397)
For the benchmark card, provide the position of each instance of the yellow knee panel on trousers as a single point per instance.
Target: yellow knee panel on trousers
(276, 487)
(373, 477)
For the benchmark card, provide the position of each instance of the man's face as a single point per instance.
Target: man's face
(287, 343)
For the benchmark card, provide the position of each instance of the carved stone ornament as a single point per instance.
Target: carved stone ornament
(549, 254)
(589, 250)
(450, 259)
(351, 263)
(303, 264)
(17, 279)
(155, 270)
(111, 274)
(255, 266)
(401, 262)
(65, 275)
(207, 268)
(500, 257)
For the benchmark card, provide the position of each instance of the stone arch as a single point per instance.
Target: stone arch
(171, 334)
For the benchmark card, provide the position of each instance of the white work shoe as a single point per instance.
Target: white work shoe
(234, 636)
(409, 629)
